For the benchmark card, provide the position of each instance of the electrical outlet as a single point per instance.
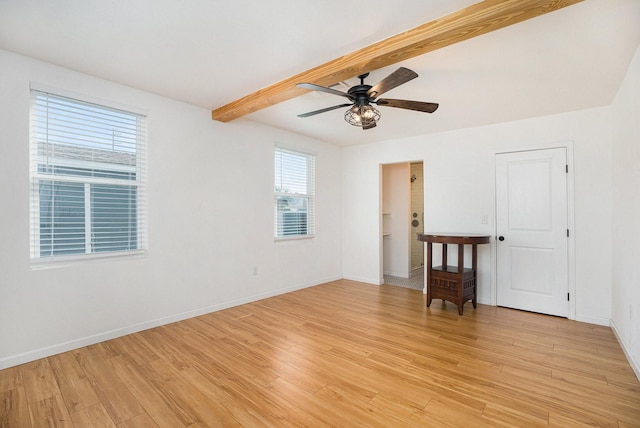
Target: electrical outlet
(484, 219)
(255, 270)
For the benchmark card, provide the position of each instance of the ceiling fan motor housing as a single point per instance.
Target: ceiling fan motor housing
(359, 93)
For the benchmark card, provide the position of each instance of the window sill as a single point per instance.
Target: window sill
(293, 238)
(67, 261)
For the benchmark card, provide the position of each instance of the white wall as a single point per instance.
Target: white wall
(625, 307)
(210, 210)
(459, 191)
(395, 208)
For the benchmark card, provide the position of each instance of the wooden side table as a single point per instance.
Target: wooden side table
(454, 283)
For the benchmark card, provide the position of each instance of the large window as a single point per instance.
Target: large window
(87, 179)
(294, 194)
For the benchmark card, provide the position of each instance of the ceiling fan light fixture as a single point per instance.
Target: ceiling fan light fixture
(362, 115)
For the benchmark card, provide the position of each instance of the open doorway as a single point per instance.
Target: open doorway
(402, 214)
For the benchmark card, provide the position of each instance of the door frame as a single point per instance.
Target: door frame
(571, 247)
(380, 216)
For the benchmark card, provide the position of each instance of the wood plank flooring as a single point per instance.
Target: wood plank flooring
(339, 354)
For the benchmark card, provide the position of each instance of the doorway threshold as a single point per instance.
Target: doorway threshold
(415, 282)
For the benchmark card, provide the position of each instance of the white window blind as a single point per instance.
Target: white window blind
(294, 194)
(87, 179)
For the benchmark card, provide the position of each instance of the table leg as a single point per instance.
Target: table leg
(429, 264)
(474, 261)
(460, 278)
(444, 256)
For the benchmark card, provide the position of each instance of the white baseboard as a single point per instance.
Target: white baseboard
(593, 320)
(484, 302)
(374, 281)
(36, 354)
(633, 363)
(398, 274)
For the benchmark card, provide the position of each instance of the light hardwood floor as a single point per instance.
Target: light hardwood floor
(340, 354)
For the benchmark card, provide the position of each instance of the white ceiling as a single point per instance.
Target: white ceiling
(210, 52)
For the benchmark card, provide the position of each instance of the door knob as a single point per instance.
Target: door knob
(500, 238)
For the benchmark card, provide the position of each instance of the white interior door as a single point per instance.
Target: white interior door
(532, 245)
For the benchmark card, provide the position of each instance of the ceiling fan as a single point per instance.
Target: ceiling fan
(361, 113)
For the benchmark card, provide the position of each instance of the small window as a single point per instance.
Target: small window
(294, 193)
(87, 179)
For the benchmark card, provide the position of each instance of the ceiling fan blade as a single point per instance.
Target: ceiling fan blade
(397, 78)
(312, 113)
(314, 87)
(409, 105)
(368, 125)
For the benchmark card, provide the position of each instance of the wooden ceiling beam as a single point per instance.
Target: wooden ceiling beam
(472, 21)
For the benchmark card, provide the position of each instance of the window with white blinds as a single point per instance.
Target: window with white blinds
(294, 194)
(87, 179)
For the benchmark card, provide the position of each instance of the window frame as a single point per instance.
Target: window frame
(309, 195)
(110, 176)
